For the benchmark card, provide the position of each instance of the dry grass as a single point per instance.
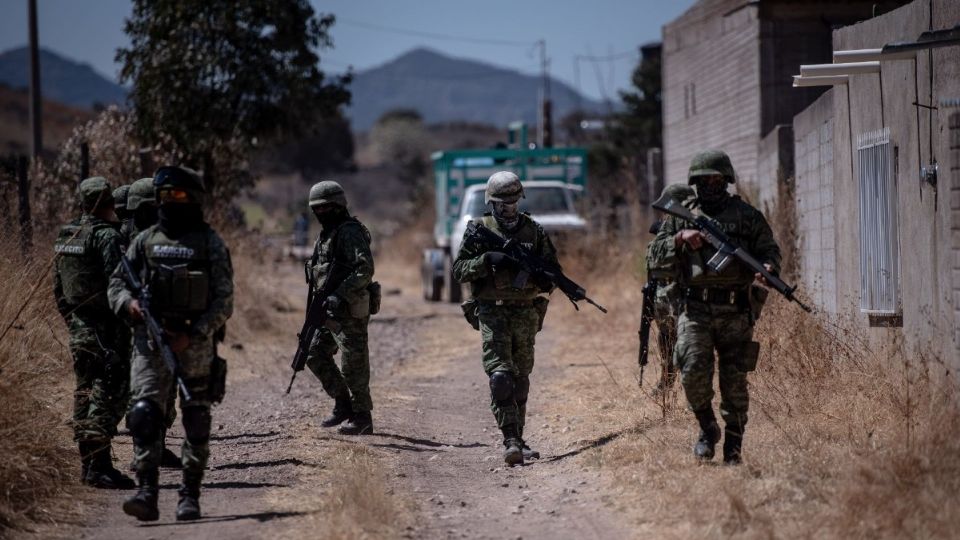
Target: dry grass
(39, 460)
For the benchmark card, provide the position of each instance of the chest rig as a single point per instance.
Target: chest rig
(732, 221)
(499, 286)
(325, 251)
(178, 271)
(78, 263)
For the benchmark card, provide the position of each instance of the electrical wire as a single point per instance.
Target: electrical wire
(434, 35)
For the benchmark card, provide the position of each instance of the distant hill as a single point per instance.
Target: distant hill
(58, 122)
(445, 89)
(61, 79)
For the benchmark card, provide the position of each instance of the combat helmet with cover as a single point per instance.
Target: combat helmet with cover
(678, 192)
(503, 186)
(710, 162)
(120, 197)
(94, 192)
(141, 192)
(327, 192)
(173, 184)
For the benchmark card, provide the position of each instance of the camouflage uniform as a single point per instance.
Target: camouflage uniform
(190, 275)
(716, 307)
(88, 250)
(346, 245)
(508, 318)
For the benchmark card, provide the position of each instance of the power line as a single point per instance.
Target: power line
(433, 35)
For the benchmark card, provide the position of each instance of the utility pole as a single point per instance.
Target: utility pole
(545, 127)
(36, 140)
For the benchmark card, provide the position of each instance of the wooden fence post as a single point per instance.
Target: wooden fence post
(23, 188)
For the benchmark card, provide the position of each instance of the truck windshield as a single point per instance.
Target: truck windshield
(538, 201)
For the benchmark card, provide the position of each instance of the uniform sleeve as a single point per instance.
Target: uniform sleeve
(221, 287)
(548, 253)
(469, 264)
(663, 250)
(764, 246)
(353, 249)
(62, 306)
(118, 291)
(108, 247)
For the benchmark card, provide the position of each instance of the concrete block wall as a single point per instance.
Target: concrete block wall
(813, 169)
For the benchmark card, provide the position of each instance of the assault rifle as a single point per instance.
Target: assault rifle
(530, 264)
(727, 250)
(646, 318)
(154, 329)
(317, 316)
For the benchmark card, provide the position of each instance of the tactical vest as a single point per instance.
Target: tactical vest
(499, 286)
(178, 271)
(78, 264)
(324, 251)
(732, 220)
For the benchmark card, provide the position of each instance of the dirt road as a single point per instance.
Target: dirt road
(433, 469)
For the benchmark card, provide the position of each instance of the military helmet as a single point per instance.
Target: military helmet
(678, 192)
(710, 162)
(174, 184)
(141, 192)
(327, 192)
(94, 192)
(120, 197)
(503, 186)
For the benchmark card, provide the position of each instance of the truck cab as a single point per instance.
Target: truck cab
(552, 178)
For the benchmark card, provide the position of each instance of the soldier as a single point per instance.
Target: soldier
(123, 215)
(88, 249)
(343, 248)
(666, 306)
(717, 307)
(143, 213)
(509, 318)
(187, 267)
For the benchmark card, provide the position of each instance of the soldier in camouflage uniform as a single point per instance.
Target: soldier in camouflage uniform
(342, 251)
(88, 249)
(666, 307)
(120, 208)
(717, 307)
(187, 267)
(509, 318)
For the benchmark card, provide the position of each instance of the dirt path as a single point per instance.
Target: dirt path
(435, 463)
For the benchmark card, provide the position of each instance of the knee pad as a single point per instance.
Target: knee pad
(145, 422)
(502, 385)
(196, 424)
(522, 390)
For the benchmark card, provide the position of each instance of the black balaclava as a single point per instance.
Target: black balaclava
(332, 217)
(507, 214)
(144, 216)
(711, 196)
(176, 219)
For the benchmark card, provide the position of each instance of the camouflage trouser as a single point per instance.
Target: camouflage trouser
(353, 377)
(703, 328)
(150, 379)
(665, 311)
(99, 346)
(509, 334)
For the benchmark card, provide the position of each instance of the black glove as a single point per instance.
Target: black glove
(499, 259)
(333, 302)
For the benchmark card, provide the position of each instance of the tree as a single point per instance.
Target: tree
(640, 126)
(402, 143)
(214, 79)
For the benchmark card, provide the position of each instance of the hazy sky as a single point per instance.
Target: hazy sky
(371, 32)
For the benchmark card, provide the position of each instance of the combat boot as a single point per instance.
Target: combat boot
(102, 474)
(513, 444)
(528, 453)
(360, 423)
(188, 508)
(709, 434)
(86, 455)
(342, 411)
(732, 441)
(143, 505)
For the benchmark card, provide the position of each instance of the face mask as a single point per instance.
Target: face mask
(177, 219)
(330, 218)
(506, 214)
(711, 194)
(144, 216)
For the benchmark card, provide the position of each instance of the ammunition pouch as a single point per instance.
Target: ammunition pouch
(471, 312)
(361, 307)
(749, 353)
(540, 304)
(177, 289)
(218, 379)
(376, 295)
(758, 297)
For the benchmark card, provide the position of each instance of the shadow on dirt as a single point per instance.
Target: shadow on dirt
(230, 485)
(262, 464)
(595, 443)
(262, 517)
(413, 444)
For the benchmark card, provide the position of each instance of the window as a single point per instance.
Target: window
(879, 239)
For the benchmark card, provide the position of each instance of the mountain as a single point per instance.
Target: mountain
(445, 89)
(61, 79)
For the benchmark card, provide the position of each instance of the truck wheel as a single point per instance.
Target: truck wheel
(431, 279)
(454, 291)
